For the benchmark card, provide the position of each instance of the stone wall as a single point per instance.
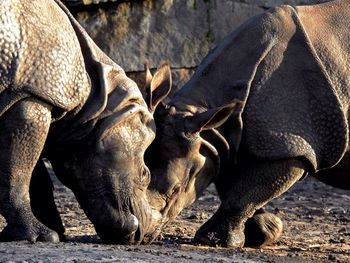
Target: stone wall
(180, 31)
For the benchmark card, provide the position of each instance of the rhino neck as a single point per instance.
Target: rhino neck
(196, 97)
(77, 131)
(99, 68)
(225, 74)
(111, 91)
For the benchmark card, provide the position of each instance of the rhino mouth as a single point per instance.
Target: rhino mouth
(155, 228)
(117, 221)
(128, 233)
(160, 216)
(128, 227)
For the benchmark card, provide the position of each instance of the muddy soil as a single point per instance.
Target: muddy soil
(316, 229)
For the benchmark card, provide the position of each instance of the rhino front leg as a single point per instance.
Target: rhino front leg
(256, 185)
(42, 199)
(263, 228)
(23, 132)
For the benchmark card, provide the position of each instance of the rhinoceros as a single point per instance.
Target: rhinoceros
(266, 107)
(63, 99)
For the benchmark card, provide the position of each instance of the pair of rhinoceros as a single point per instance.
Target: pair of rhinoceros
(266, 106)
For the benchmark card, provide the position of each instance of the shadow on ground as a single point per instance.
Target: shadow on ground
(316, 219)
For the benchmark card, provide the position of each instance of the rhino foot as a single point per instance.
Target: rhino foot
(36, 232)
(262, 229)
(219, 231)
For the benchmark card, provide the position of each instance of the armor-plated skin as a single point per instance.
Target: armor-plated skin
(267, 106)
(63, 99)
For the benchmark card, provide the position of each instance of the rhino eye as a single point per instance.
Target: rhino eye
(175, 190)
(145, 176)
(192, 172)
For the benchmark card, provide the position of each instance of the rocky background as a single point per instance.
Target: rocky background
(179, 31)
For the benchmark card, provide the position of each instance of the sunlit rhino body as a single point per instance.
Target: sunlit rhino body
(267, 106)
(62, 98)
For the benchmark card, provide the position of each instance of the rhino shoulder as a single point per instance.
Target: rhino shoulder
(294, 107)
(49, 64)
(10, 34)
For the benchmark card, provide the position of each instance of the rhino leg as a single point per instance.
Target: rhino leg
(338, 176)
(42, 199)
(255, 185)
(23, 132)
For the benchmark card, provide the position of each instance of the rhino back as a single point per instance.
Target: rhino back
(40, 55)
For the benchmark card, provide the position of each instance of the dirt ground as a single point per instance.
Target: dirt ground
(316, 220)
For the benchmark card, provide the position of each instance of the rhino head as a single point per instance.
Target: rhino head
(182, 162)
(106, 170)
(109, 178)
(100, 145)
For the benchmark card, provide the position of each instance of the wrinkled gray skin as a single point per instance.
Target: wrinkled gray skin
(267, 106)
(62, 98)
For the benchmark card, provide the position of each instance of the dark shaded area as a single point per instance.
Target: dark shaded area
(76, 7)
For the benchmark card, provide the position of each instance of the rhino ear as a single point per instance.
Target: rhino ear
(212, 118)
(147, 88)
(157, 86)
